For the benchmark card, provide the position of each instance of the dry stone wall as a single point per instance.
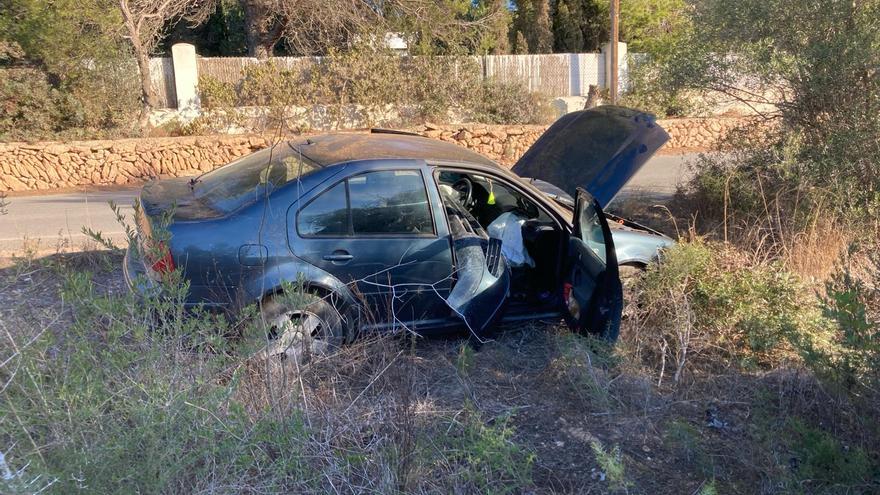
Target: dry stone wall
(53, 165)
(40, 166)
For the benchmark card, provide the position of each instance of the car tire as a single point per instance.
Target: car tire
(301, 326)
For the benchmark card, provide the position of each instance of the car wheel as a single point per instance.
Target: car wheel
(300, 327)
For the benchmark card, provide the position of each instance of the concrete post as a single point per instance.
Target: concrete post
(186, 80)
(622, 66)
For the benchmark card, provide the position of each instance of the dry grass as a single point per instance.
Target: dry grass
(529, 412)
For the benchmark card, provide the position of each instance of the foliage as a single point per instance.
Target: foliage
(377, 82)
(494, 463)
(822, 460)
(707, 306)
(32, 108)
(818, 76)
(653, 27)
(65, 71)
(511, 103)
(851, 361)
(29, 104)
(611, 463)
(58, 35)
(648, 91)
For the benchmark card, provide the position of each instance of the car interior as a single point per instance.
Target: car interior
(531, 238)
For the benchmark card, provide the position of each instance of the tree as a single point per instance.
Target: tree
(814, 62)
(567, 34)
(653, 26)
(57, 35)
(495, 36)
(264, 26)
(543, 34)
(522, 46)
(532, 19)
(145, 22)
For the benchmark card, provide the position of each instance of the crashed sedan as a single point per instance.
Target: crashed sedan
(387, 231)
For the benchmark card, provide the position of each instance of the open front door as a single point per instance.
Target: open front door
(592, 291)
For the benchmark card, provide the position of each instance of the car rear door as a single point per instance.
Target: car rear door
(592, 292)
(377, 229)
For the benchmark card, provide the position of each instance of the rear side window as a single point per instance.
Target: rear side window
(392, 202)
(389, 202)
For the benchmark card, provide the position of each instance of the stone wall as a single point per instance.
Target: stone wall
(52, 165)
(505, 144)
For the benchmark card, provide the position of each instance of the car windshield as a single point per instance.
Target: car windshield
(253, 176)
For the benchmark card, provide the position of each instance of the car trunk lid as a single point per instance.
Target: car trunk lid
(598, 149)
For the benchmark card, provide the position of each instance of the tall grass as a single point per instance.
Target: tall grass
(122, 394)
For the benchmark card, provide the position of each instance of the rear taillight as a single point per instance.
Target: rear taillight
(165, 262)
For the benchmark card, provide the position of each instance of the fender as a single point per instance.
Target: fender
(273, 277)
(638, 247)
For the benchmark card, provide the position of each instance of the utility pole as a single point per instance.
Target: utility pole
(615, 35)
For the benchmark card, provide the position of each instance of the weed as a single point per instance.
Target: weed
(820, 459)
(611, 463)
(484, 455)
(583, 362)
(464, 361)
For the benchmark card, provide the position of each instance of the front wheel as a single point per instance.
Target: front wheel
(300, 326)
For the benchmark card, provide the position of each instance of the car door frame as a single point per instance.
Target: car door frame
(516, 184)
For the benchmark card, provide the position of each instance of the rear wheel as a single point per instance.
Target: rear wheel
(301, 326)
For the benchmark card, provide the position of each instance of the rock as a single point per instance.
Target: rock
(13, 184)
(432, 133)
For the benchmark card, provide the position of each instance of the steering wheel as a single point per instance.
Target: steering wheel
(465, 189)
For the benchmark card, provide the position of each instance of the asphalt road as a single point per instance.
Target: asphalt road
(43, 223)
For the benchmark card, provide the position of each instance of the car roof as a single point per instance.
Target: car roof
(330, 149)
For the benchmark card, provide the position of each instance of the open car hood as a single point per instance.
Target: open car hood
(598, 149)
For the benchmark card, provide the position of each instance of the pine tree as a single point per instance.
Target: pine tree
(542, 41)
(567, 34)
(497, 40)
(521, 46)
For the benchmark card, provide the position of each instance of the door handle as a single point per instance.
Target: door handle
(338, 256)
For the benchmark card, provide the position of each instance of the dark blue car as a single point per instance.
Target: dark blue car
(393, 231)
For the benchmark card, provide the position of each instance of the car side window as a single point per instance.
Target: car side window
(326, 215)
(391, 202)
(590, 228)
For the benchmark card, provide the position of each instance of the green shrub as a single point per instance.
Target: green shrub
(706, 305)
(612, 464)
(30, 105)
(265, 84)
(434, 88)
(823, 461)
(850, 359)
(215, 93)
(485, 456)
(648, 91)
(511, 103)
